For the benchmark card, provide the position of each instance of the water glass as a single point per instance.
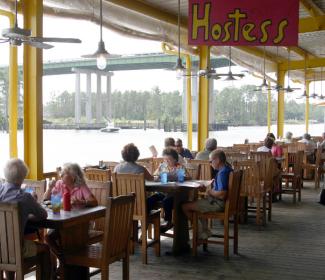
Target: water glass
(180, 175)
(164, 177)
(56, 203)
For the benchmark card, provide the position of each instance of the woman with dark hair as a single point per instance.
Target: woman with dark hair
(268, 143)
(130, 155)
(216, 196)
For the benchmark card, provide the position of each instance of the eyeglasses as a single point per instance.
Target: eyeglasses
(211, 161)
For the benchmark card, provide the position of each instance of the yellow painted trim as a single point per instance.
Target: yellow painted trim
(269, 109)
(300, 64)
(13, 92)
(203, 110)
(33, 106)
(307, 106)
(170, 50)
(307, 25)
(280, 123)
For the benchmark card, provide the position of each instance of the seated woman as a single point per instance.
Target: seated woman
(215, 197)
(171, 166)
(73, 180)
(130, 155)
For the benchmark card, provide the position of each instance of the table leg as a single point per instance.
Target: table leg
(181, 230)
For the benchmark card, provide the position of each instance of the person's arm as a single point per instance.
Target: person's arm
(48, 192)
(218, 194)
(223, 181)
(35, 210)
(147, 175)
(89, 200)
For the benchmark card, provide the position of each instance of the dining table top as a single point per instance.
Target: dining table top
(187, 185)
(70, 218)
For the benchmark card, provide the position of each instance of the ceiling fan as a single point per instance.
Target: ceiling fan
(321, 97)
(264, 86)
(101, 54)
(288, 88)
(230, 76)
(17, 36)
(304, 95)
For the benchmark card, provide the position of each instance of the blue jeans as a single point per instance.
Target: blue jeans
(167, 204)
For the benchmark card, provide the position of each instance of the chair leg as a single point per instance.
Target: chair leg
(226, 239)
(19, 275)
(144, 243)
(134, 237)
(150, 231)
(157, 237)
(104, 273)
(1, 275)
(236, 234)
(126, 267)
(195, 234)
(270, 206)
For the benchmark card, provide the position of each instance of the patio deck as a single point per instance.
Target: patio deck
(292, 246)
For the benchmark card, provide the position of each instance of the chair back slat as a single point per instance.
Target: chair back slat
(101, 191)
(298, 163)
(124, 184)
(193, 170)
(233, 191)
(10, 237)
(236, 156)
(96, 174)
(118, 225)
(243, 148)
(156, 163)
(39, 187)
(205, 168)
(272, 171)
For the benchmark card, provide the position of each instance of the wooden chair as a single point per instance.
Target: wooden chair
(11, 243)
(39, 187)
(101, 190)
(109, 164)
(235, 156)
(147, 163)
(293, 181)
(259, 156)
(100, 175)
(231, 211)
(243, 148)
(316, 168)
(127, 183)
(115, 245)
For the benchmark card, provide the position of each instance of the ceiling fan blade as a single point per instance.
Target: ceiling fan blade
(38, 45)
(94, 55)
(55, 40)
(4, 40)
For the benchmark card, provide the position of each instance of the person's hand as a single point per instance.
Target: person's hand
(202, 188)
(52, 184)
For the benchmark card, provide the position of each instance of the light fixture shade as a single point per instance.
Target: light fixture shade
(179, 68)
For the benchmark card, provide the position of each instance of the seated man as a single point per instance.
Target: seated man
(210, 145)
(15, 172)
(185, 153)
(309, 148)
(215, 197)
(268, 143)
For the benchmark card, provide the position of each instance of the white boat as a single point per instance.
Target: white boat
(110, 127)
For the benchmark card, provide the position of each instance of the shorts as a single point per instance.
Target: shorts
(29, 249)
(207, 205)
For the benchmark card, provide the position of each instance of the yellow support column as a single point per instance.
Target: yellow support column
(307, 106)
(280, 124)
(269, 109)
(203, 120)
(33, 106)
(13, 92)
(189, 103)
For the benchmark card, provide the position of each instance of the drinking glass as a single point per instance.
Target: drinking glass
(56, 203)
(164, 178)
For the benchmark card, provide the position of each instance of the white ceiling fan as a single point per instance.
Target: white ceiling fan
(17, 36)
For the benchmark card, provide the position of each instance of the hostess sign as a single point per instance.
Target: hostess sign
(243, 22)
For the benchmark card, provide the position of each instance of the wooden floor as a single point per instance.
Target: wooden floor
(292, 246)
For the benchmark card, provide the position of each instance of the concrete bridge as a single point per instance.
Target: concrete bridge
(86, 68)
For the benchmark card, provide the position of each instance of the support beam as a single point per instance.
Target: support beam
(313, 10)
(99, 99)
(300, 64)
(77, 103)
(203, 122)
(89, 116)
(307, 25)
(109, 95)
(33, 106)
(280, 121)
(307, 107)
(269, 108)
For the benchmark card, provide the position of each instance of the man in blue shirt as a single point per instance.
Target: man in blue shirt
(185, 153)
(216, 196)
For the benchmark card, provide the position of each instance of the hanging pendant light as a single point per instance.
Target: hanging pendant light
(288, 88)
(101, 53)
(230, 77)
(179, 68)
(304, 95)
(277, 87)
(264, 87)
(321, 97)
(314, 95)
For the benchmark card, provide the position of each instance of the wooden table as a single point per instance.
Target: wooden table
(180, 193)
(73, 229)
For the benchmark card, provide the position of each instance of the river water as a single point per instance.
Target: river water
(88, 147)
